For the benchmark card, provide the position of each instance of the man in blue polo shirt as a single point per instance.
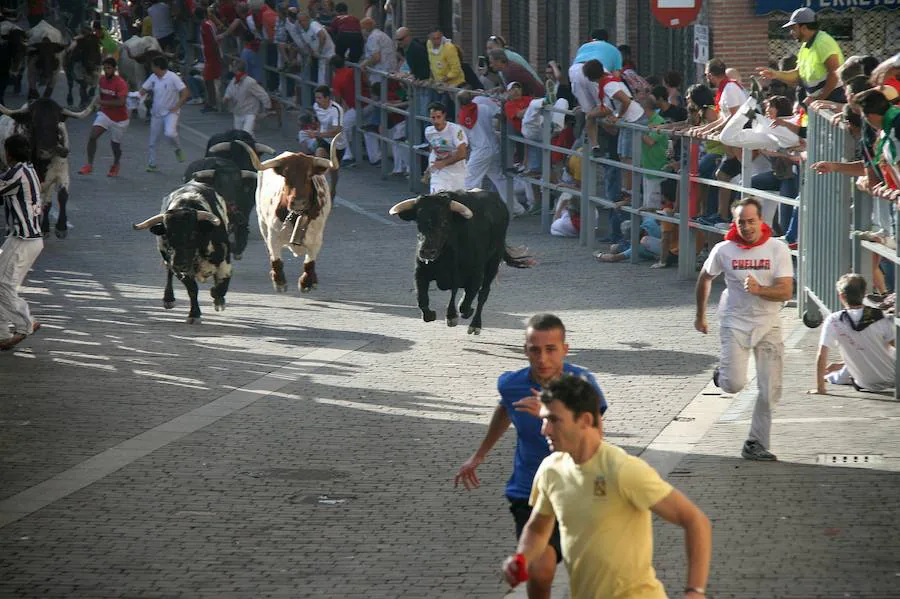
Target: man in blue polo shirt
(586, 91)
(520, 391)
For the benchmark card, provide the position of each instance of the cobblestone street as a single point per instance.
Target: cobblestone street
(305, 446)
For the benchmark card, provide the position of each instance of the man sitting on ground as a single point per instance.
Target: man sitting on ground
(865, 339)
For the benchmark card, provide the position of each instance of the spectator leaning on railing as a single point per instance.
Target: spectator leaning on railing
(379, 52)
(346, 31)
(511, 72)
(865, 338)
(317, 44)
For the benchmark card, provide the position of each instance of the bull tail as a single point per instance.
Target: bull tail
(518, 257)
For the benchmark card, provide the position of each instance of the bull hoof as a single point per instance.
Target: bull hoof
(61, 233)
(237, 256)
(429, 315)
(452, 322)
(306, 289)
(194, 320)
(467, 314)
(474, 330)
(168, 304)
(220, 307)
(280, 287)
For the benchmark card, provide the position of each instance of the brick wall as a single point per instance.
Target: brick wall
(738, 36)
(420, 16)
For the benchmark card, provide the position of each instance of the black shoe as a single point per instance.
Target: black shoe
(716, 377)
(597, 152)
(752, 450)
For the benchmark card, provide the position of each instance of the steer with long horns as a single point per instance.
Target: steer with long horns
(460, 243)
(42, 121)
(192, 230)
(293, 201)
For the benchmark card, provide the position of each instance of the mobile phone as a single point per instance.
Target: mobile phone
(482, 62)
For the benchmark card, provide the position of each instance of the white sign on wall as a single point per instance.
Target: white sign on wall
(701, 44)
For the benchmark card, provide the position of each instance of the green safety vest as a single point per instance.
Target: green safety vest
(811, 60)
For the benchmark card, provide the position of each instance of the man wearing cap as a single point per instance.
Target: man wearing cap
(512, 72)
(818, 60)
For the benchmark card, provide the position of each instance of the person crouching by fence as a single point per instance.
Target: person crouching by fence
(865, 338)
(247, 96)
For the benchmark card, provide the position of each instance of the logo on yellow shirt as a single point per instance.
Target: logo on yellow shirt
(600, 486)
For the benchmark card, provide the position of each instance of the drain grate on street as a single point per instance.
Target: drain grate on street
(847, 460)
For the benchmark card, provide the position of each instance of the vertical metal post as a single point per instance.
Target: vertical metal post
(414, 138)
(686, 256)
(588, 190)
(636, 196)
(505, 163)
(355, 134)
(546, 207)
(383, 129)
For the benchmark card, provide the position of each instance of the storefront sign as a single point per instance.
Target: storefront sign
(764, 7)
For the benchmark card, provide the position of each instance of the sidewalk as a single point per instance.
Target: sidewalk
(798, 527)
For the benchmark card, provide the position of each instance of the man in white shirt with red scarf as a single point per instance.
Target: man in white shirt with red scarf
(758, 279)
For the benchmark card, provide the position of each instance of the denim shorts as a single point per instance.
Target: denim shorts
(626, 138)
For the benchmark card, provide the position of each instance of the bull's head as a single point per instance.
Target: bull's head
(45, 56)
(41, 119)
(434, 216)
(298, 169)
(185, 229)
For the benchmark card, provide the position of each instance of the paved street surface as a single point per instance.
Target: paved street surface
(304, 446)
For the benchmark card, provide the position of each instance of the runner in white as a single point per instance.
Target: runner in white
(758, 279)
(169, 95)
(449, 145)
(476, 115)
(331, 122)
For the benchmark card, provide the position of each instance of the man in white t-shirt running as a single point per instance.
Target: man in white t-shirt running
(169, 95)
(476, 116)
(758, 279)
(449, 147)
(865, 338)
(331, 122)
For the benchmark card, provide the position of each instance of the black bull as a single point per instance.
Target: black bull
(82, 65)
(461, 241)
(232, 184)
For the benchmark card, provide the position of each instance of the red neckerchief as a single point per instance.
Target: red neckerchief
(721, 89)
(254, 45)
(238, 76)
(607, 78)
(468, 115)
(734, 236)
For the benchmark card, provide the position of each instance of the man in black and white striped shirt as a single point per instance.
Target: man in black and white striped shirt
(20, 194)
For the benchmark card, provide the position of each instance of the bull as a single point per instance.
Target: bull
(192, 238)
(12, 54)
(135, 56)
(293, 201)
(82, 66)
(460, 243)
(45, 50)
(42, 121)
(229, 182)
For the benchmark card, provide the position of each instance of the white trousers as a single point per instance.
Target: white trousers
(442, 180)
(373, 147)
(399, 150)
(349, 125)
(480, 166)
(16, 258)
(587, 92)
(245, 122)
(160, 124)
(768, 349)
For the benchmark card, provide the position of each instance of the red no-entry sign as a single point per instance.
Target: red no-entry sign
(676, 14)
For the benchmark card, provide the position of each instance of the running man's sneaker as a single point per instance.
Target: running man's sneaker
(179, 154)
(716, 377)
(113, 171)
(754, 451)
(151, 168)
(87, 169)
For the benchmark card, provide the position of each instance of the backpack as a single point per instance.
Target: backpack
(639, 87)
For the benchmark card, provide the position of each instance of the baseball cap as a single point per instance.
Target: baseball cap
(512, 84)
(801, 16)
(293, 9)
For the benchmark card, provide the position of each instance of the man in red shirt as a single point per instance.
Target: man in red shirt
(113, 116)
(343, 91)
(347, 34)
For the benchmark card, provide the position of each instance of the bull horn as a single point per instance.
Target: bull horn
(460, 209)
(205, 173)
(248, 174)
(80, 115)
(254, 158)
(264, 149)
(273, 162)
(21, 110)
(153, 220)
(404, 205)
(222, 146)
(204, 215)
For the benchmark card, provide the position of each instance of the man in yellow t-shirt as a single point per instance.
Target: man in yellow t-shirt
(602, 498)
(818, 60)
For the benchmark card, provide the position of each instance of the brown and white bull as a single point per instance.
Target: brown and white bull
(293, 201)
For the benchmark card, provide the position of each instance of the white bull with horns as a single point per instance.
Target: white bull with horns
(293, 201)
